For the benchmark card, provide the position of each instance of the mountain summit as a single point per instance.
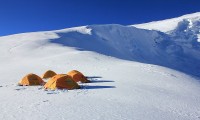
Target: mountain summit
(170, 24)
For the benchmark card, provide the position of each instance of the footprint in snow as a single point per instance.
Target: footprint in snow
(40, 88)
(45, 100)
(20, 89)
(20, 107)
(173, 75)
(52, 93)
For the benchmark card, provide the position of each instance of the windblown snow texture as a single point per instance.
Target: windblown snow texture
(179, 50)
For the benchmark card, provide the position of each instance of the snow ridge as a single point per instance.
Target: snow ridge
(179, 49)
(168, 24)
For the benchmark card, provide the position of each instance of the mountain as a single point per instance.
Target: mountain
(178, 50)
(171, 24)
(184, 31)
(136, 73)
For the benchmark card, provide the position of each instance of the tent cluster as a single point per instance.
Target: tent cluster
(55, 81)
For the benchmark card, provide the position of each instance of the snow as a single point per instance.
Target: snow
(81, 29)
(137, 74)
(168, 24)
(198, 36)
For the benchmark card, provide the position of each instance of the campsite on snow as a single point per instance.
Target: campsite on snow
(147, 71)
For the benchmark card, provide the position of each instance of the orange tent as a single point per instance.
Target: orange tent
(61, 81)
(77, 76)
(31, 79)
(48, 74)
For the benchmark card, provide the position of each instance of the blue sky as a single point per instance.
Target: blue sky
(17, 16)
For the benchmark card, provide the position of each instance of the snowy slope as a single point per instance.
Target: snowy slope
(169, 24)
(129, 67)
(177, 50)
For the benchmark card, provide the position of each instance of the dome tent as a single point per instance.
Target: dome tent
(31, 79)
(78, 76)
(61, 81)
(48, 74)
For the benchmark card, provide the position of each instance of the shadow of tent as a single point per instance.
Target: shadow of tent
(101, 81)
(97, 87)
(93, 77)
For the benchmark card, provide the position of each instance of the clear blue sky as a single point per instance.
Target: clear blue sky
(17, 16)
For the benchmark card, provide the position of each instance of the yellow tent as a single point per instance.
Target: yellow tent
(48, 74)
(61, 81)
(78, 76)
(31, 79)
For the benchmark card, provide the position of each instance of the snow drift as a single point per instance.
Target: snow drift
(180, 50)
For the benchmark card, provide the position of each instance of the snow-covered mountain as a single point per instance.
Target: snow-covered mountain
(171, 24)
(178, 50)
(136, 73)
